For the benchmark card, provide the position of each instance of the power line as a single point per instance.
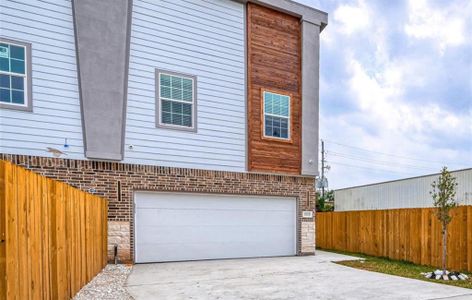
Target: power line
(387, 154)
(381, 162)
(373, 169)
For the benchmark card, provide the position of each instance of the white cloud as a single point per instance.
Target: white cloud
(446, 26)
(385, 121)
(381, 96)
(386, 91)
(352, 18)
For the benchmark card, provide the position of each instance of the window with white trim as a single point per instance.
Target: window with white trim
(15, 80)
(176, 100)
(276, 115)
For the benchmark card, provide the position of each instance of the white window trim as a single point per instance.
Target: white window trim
(27, 105)
(289, 118)
(159, 99)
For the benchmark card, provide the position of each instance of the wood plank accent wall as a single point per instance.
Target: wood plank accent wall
(274, 64)
(54, 236)
(404, 234)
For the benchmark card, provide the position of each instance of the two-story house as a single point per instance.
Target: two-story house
(196, 119)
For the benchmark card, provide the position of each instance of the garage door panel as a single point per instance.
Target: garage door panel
(189, 201)
(214, 234)
(170, 217)
(185, 226)
(174, 252)
(234, 241)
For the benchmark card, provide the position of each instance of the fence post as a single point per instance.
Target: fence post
(3, 256)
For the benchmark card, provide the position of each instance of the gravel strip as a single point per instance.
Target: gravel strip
(108, 284)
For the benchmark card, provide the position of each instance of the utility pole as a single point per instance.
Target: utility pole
(322, 168)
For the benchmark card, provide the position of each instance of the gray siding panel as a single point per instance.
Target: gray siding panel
(407, 193)
(102, 35)
(49, 28)
(202, 38)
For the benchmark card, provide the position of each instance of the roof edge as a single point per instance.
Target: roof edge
(401, 179)
(305, 12)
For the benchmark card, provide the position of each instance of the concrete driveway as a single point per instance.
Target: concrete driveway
(309, 277)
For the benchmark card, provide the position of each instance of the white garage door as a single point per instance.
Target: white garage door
(185, 226)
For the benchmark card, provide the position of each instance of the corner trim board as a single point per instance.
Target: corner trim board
(310, 34)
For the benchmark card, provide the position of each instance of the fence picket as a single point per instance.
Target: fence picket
(409, 234)
(54, 236)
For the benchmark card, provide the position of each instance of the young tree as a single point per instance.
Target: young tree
(321, 204)
(444, 193)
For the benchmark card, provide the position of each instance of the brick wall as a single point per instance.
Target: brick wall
(117, 181)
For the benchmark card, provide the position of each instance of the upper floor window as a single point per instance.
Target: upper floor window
(276, 120)
(15, 75)
(176, 100)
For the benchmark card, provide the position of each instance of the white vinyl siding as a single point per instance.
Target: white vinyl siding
(48, 27)
(202, 38)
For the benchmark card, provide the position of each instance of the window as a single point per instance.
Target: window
(276, 115)
(15, 75)
(176, 100)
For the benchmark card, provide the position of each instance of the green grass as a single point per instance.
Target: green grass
(396, 267)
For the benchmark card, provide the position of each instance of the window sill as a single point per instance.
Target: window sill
(177, 128)
(275, 139)
(16, 107)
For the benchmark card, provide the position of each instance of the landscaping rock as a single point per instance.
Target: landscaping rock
(438, 275)
(108, 284)
(429, 275)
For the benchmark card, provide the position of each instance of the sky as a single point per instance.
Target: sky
(395, 88)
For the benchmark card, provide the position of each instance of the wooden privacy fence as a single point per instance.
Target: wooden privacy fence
(405, 234)
(53, 236)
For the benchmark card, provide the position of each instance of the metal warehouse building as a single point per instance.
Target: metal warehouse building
(404, 193)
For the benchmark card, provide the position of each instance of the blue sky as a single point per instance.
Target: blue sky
(395, 88)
